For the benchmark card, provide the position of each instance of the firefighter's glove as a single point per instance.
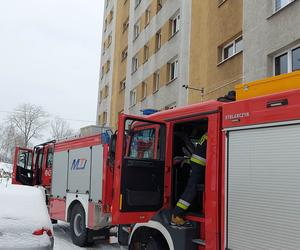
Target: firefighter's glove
(177, 220)
(186, 161)
(187, 153)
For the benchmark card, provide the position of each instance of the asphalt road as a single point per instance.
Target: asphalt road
(62, 240)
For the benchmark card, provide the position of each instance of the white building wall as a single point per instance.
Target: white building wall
(267, 33)
(178, 46)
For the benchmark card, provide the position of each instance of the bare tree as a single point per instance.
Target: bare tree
(28, 120)
(9, 140)
(60, 129)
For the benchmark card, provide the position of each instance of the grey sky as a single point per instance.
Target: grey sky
(50, 56)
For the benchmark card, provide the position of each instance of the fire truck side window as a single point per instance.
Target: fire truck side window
(49, 159)
(142, 144)
(24, 159)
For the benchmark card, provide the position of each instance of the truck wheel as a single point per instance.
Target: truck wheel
(79, 232)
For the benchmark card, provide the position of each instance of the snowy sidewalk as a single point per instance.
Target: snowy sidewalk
(62, 240)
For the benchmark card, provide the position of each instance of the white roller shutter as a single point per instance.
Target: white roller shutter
(263, 194)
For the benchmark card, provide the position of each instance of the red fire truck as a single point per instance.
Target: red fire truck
(251, 195)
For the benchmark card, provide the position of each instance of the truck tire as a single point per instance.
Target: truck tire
(79, 232)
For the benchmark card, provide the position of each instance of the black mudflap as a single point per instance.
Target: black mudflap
(182, 236)
(95, 235)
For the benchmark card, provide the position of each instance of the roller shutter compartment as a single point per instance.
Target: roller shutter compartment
(263, 188)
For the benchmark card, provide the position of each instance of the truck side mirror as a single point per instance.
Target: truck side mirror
(112, 148)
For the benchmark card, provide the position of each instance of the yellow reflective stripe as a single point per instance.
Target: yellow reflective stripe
(203, 139)
(184, 202)
(182, 206)
(198, 161)
(121, 200)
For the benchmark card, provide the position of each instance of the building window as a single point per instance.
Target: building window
(105, 25)
(109, 40)
(156, 79)
(173, 70)
(126, 24)
(106, 91)
(279, 4)
(124, 54)
(296, 59)
(107, 66)
(144, 90)
(123, 84)
(102, 72)
(100, 96)
(159, 5)
(287, 62)
(147, 17)
(175, 23)
(137, 3)
(110, 17)
(158, 41)
(104, 118)
(135, 63)
(232, 48)
(136, 31)
(132, 97)
(146, 53)
(171, 106)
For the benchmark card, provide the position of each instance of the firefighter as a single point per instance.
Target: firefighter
(198, 164)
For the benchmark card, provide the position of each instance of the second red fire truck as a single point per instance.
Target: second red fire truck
(251, 196)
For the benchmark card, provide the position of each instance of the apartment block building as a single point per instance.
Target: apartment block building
(151, 48)
(271, 38)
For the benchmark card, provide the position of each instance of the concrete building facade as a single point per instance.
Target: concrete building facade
(271, 38)
(160, 45)
(104, 103)
(216, 61)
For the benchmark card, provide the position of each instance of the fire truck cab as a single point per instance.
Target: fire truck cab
(148, 181)
(34, 166)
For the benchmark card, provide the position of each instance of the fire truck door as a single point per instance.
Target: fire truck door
(139, 169)
(23, 166)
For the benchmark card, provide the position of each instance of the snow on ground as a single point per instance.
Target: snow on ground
(62, 240)
(4, 182)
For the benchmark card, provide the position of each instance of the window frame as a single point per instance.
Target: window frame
(275, 2)
(123, 84)
(159, 5)
(124, 54)
(175, 28)
(144, 90)
(289, 53)
(137, 3)
(147, 16)
(158, 40)
(125, 25)
(174, 62)
(232, 43)
(133, 93)
(146, 52)
(134, 64)
(136, 30)
(156, 81)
